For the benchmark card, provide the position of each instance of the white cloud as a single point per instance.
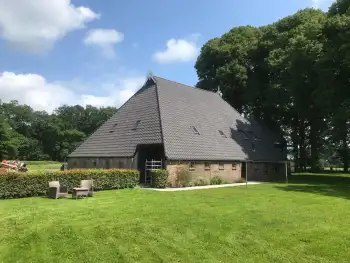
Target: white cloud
(322, 4)
(35, 25)
(105, 39)
(178, 50)
(36, 91)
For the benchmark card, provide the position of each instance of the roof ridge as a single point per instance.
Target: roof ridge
(195, 88)
(160, 115)
(212, 92)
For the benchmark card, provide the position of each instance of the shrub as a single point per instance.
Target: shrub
(159, 178)
(183, 177)
(201, 182)
(15, 185)
(216, 180)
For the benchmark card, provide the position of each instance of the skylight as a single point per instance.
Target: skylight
(222, 134)
(254, 136)
(113, 128)
(136, 125)
(195, 130)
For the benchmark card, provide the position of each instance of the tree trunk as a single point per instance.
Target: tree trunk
(314, 143)
(302, 147)
(295, 142)
(345, 153)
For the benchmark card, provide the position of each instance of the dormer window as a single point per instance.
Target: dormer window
(136, 125)
(222, 134)
(195, 130)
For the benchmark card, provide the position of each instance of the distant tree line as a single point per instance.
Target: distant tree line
(294, 75)
(27, 134)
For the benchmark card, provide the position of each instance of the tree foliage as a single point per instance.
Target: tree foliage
(293, 75)
(36, 135)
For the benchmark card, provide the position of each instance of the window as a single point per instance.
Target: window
(113, 128)
(195, 130)
(244, 133)
(256, 166)
(136, 125)
(121, 164)
(279, 145)
(207, 166)
(276, 168)
(234, 166)
(222, 134)
(191, 165)
(253, 147)
(221, 166)
(94, 163)
(265, 167)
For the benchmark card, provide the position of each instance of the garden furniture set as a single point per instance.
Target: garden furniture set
(84, 190)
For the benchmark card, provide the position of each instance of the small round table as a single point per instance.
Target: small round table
(80, 192)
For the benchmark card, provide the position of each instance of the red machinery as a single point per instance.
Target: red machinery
(12, 165)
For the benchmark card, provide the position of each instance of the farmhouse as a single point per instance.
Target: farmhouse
(169, 125)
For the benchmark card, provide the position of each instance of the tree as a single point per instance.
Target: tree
(335, 76)
(294, 70)
(38, 135)
(271, 73)
(7, 147)
(340, 7)
(226, 63)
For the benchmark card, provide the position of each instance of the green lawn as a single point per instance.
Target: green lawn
(334, 173)
(265, 223)
(43, 166)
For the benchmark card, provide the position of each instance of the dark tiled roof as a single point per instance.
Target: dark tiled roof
(116, 136)
(182, 109)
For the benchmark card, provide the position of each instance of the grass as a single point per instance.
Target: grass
(298, 223)
(43, 165)
(325, 173)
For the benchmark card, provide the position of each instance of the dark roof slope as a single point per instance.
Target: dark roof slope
(116, 136)
(176, 111)
(183, 107)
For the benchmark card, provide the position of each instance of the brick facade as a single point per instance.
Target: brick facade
(227, 171)
(102, 162)
(200, 170)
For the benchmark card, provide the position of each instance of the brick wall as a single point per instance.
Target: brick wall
(102, 162)
(266, 171)
(200, 170)
(256, 171)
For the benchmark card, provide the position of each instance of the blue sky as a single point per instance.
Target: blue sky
(99, 51)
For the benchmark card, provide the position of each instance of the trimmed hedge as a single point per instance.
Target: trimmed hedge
(159, 178)
(16, 185)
